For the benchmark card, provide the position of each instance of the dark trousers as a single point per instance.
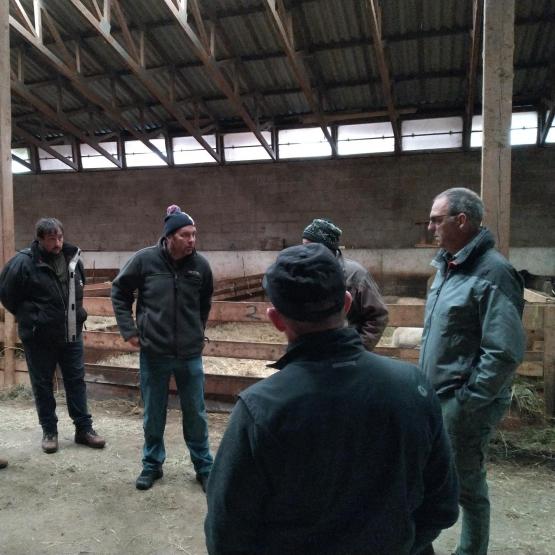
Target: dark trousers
(41, 363)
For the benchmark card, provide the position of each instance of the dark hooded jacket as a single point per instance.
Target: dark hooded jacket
(30, 289)
(173, 301)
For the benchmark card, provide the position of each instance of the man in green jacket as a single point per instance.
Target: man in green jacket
(472, 344)
(174, 290)
(340, 452)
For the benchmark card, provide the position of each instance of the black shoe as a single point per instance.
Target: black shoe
(202, 479)
(147, 478)
(49, 442)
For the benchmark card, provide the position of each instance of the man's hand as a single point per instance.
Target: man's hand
(134, 341)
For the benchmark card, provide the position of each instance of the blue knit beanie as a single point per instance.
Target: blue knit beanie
(175, 219)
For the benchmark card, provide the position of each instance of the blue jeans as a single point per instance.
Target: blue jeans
(42, 358)
(470, 433)
(155, 381)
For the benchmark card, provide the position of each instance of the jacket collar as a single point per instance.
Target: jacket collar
(68, 251)
(482, 242)
(163, 247)
(321, 345)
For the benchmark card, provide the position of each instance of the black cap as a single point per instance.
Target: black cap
(306, 283)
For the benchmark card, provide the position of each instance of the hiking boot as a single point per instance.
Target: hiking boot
(89, 438)
(147, 478)
(49, 443)
(202, 479)
(3, 462)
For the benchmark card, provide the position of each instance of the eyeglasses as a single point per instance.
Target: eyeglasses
(436, 220)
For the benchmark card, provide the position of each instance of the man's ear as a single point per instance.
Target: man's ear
(348, 301)
(275, 318)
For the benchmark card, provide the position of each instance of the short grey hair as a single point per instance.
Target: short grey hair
(464, 200)
(46, 226)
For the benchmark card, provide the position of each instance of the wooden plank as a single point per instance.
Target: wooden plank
(7, 228)
(97, 290)
(98, 306)
(531, 369)
(531, 296)
(533, 316)
(237, 349)
(497, 101)
(228, 311)
(216, 385)
(549, 361)
(107, 341)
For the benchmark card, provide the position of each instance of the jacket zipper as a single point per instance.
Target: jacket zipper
(175, 314)
(433, 308)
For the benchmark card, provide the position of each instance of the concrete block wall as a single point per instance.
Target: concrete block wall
(264, 206)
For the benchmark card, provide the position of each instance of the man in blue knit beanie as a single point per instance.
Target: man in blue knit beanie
(174, 285)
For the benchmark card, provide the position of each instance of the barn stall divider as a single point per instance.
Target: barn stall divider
(119, 382)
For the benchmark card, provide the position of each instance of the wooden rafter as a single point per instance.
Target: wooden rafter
(547, 116)
(282, 25)
(142, 74)
(57, 117)
(374, 16)
(29, 137)
(474, 58)
(219, 79)
(19, 160)
(79, 83)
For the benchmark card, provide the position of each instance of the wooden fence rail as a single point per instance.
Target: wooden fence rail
(538, 319)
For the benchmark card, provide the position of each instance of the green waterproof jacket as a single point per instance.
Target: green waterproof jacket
(173, 301)
(473, 338)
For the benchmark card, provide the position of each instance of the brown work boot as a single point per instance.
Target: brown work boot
(3, 462)
(49, 442)
(89, 438)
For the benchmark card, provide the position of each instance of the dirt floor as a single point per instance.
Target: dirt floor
(80, 501)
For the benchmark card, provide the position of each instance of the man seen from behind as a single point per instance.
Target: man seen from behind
(339, 452)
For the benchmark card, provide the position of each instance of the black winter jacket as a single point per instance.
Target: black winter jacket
(30, 289)
(341, 452)
(172, 305)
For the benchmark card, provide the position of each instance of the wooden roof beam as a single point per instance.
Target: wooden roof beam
(207, 56)
(374, 16)
(24, 163)
(140, 72)
(282, 25)
(78, 82)
(21, 90)
(29, 137)
(475, 51)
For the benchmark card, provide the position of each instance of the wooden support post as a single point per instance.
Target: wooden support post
(6, 184)
(549, 360)
(497, 111)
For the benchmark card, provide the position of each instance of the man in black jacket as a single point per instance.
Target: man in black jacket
(174, 285)
(340, 452)
(43, 287)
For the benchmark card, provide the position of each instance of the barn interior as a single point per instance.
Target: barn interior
(256, 116)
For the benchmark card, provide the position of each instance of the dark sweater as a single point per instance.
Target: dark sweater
(340, 452)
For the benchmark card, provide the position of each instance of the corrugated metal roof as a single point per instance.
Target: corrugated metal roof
(426, 43)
